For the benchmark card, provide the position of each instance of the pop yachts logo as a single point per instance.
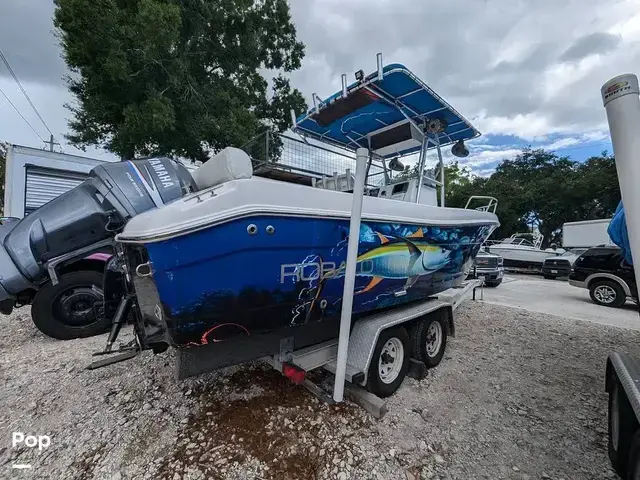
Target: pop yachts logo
(20, 440)
(310, 271)
(42, 442)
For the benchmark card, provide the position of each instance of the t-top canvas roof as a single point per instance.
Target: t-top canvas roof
(388, 115)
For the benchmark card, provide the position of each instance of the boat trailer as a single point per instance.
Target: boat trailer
(367, 348)
(363, 341)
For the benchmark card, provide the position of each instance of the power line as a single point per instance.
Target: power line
(24, 92)
(25, 120)
(588, 145)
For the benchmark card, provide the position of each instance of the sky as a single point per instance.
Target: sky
(524, 72)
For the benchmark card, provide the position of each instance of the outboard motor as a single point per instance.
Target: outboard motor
(92, 212)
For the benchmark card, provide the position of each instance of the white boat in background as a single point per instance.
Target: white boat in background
(523, 250)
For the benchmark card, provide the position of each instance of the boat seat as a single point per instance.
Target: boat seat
(230, 164)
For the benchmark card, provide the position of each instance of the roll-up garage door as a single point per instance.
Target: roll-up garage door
(45, 184)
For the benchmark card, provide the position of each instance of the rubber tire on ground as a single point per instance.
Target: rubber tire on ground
(493, 284)
(419, 341)
(620, 457)
(374, 384)
(549, 277)
(633, 467)
(42, 313)
(621, 298)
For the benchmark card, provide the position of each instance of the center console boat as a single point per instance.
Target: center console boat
(235, 262)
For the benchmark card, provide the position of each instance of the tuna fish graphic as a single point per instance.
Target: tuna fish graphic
(406, 258)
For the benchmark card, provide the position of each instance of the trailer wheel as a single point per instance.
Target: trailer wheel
(634, 457)
(429, 340)
(390, 362)
(65, 311)
(621, 429)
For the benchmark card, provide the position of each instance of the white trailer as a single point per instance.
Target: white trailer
(586, 234)
(34, 177)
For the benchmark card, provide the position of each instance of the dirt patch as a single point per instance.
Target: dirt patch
(85, 466)
(256, 413)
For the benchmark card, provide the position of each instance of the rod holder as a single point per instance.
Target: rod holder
(315, 102)
(379, 61)
(294, 123)
(622, 104)
(344, 85)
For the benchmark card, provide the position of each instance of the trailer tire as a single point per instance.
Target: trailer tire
(621, 429)
(390, 362)
(633, 467)
(65, 311)
(429, 340)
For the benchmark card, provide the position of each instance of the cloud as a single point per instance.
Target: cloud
(528, 126)
(49, 99)
(594, 43)
(485, 157)
(28, 41)
(528, 70)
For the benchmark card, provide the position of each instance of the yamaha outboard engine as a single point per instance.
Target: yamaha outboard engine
(92, 212)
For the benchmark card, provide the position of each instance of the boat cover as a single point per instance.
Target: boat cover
(373, 104)
(618, 233)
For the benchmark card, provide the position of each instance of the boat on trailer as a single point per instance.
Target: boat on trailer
(245, 261)
(228, 266)
(523, 250)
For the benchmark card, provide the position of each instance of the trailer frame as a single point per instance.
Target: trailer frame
(362, 343)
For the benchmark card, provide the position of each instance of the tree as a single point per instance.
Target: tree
(458, 183)
(177, 77)
(538, 189)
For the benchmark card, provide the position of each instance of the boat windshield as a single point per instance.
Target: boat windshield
(517, 241)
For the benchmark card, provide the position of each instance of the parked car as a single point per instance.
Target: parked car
(489, 266)
(560, 266)
(604, 272)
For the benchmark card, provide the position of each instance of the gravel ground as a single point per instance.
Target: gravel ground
(519, 395)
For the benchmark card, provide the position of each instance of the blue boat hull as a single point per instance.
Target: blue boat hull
(261, 274)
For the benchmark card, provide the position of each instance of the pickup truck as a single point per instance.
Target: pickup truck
(560, 266)
(489, 266)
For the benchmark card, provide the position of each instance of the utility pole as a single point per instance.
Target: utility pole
(51, 143)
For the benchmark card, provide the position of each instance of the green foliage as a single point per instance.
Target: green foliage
(538, 188)
(177, 77)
